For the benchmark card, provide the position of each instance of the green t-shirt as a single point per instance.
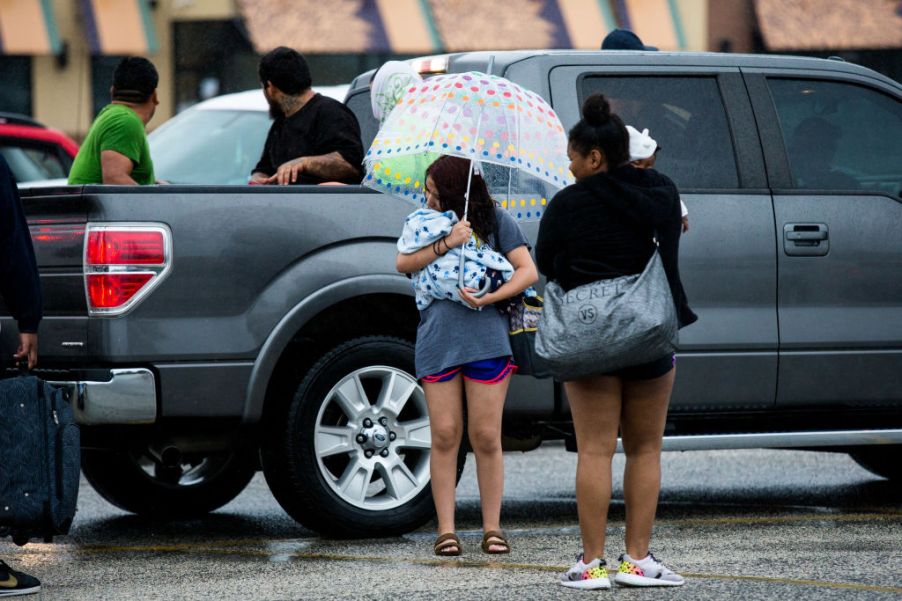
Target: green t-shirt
(118, 128)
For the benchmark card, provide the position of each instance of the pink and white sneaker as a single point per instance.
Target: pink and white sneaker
(645, 572)
(586, 576)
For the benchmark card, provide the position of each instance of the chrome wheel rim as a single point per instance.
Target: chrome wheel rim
(372, 438)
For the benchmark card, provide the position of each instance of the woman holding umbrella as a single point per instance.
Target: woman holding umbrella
(463, 350)
(469, 128)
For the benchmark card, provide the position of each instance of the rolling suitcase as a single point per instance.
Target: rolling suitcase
(40, 460)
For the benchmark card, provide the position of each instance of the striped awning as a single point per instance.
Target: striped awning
(28, 27)
(834, 25)
(428, 26)
(341, 26)
(119, 27)
(657, 22)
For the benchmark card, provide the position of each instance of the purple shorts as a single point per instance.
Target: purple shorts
(487, 371)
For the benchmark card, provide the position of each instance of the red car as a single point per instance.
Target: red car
(35, 152)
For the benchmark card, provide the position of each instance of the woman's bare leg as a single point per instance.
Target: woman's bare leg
(595, 406)
(485, 405)
(446, 424)
(642, 429)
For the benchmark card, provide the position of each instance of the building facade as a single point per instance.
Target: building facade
(57, 56)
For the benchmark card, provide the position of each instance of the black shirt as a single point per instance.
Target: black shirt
(323, 125)
(20, 284)
(605, 226)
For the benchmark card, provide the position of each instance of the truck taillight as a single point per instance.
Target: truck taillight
(109, 290)
(123, 263)
(112, 247)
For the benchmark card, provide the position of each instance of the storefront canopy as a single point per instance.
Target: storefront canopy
(119, 27)
(28, 27)
(427, 26)
(833, 25)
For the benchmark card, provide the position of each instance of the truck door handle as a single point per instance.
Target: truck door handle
(806, 235)
(806, 239)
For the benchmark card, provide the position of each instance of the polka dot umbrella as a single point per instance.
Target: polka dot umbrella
(511, 132)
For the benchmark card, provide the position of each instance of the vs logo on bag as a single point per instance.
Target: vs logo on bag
(587, 314)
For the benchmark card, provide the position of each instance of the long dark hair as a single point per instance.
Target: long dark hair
(449, 174)
(600, 128)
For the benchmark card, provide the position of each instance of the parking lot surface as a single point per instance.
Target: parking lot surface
(737, 524)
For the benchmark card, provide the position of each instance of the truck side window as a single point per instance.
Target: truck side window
(360, 105)
(685, 115)
(840, 136)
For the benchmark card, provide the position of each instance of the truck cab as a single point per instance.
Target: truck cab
(267, 328)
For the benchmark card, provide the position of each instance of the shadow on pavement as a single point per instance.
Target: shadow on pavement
(677, 502)
(213, 526)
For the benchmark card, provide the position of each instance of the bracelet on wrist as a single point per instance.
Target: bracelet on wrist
(445, 240)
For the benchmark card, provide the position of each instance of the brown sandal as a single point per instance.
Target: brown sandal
(499, 541)
(447, 545)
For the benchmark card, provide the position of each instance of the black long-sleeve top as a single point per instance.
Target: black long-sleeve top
(605, 225)
(20, 284)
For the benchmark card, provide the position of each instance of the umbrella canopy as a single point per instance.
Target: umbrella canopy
(512, 132)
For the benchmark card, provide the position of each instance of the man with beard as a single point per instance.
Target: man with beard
(313, 139)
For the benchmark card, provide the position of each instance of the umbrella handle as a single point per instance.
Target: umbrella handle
(486, 287)
(484, 290)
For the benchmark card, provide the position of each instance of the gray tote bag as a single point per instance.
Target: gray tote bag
(607, 325)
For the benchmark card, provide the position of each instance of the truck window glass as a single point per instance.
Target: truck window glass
(685, 115)
(840, 136)
(360, 105)
(223, 148)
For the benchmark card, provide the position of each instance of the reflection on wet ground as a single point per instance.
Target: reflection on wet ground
(743, 524)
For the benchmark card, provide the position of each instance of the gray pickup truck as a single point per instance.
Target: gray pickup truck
(209, 332)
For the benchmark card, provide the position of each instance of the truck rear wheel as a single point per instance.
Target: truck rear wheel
(133, 481)
(883, 460)
(350, 455)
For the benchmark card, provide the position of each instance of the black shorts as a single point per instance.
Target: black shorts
(646, 371)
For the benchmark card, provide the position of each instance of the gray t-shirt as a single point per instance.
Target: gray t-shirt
(451, 334)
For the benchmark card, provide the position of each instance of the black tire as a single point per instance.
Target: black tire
(883, 460)
(118, 477)
(301, 481)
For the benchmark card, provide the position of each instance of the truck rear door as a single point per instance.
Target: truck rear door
(836, 171)
(702, 120)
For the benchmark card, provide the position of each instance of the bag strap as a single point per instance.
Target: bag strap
(496, 235)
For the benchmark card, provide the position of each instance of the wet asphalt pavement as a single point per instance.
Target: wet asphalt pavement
(741, 525)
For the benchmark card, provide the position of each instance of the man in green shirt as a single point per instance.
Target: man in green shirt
(115, 150)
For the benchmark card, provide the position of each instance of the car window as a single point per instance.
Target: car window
(840, 136)
(685, 116)
(202, 146)
(35, 162)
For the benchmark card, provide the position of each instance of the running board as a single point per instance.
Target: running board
(781, 440)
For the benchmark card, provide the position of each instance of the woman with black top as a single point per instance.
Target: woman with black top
(605, 226)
